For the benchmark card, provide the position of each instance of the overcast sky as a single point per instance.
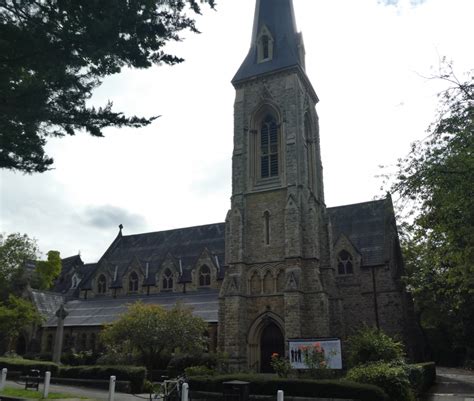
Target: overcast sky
(365, 58)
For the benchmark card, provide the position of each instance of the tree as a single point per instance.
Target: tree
(437, 180)
(54, 53)
(151, 331)
(15, 250)
(48, 270)
(16, 315)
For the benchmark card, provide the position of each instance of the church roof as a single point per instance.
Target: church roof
(47, 303)
(366, 225)
(182, 246)
(278, 17)
(101, 311)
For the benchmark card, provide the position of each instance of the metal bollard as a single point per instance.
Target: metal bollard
(280, 395)
(3, 379)
(47, 379)
(185, 392)
(112, 388)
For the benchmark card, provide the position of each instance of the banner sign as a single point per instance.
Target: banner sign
(325, 352)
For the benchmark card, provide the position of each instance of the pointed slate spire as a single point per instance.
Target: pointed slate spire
(277, 17)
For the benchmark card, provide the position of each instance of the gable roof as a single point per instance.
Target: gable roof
(365, 225)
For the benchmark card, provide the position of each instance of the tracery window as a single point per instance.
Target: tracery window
(204, 276)
(101, 284)
(167, 282)
(133, 282)
(269, 146)
(344, 263)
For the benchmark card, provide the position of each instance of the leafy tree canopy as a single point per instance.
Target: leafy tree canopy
(15, 251)
(151, 331)
(48, 270)
(16, 315)
(437, 181)
(54, 53)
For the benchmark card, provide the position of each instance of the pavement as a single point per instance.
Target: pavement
(84, 392)
(452, 385)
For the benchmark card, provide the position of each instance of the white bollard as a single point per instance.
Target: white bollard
(112, 388)
(185, 392)
(280, 395)
(3, 379)
(47, 379)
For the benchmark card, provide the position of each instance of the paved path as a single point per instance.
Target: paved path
(81, 392)
(452, 385)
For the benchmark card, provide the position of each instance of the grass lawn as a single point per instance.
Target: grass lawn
(17, 392)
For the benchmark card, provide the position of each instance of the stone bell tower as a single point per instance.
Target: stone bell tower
(279, 282)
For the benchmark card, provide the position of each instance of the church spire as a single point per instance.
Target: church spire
(276, 43)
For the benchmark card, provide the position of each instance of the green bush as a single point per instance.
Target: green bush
(393, 379)
(136, 375)
(180, 362)
(269, 385)
(25, 365)
(372, 345)
(199, 371)
(421, 376)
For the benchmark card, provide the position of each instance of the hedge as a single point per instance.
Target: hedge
(136, 375)
(268, 385)
(422, 376)
(25, 365)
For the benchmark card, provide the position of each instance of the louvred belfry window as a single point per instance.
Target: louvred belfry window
(269, 148)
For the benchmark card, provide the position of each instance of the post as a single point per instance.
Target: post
(58, 343)
(47, 379)
(3, 379)
(185, 392)
(280, 395)
(111, 388)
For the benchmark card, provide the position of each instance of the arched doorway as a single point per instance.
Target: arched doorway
(271, 341)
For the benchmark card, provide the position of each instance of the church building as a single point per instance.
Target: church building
(283, 265)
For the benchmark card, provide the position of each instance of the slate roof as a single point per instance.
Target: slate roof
(100, 311)
(47, 303)
(184, 246)
(279, 17)
(70, 266)
(365, 225)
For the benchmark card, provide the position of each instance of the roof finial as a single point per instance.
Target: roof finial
(120, 228)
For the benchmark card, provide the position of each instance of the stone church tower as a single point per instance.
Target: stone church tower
(279, 282)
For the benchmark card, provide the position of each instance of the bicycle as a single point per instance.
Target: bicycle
(170, 390)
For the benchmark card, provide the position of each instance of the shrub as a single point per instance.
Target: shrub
(393, 379)
(269, 385)
(199, 371)
(136, 375)
(372, 345)
(280, 365)
(80, 358)
(25, 365)
(421, 376)
(180, 362)
(114, 358)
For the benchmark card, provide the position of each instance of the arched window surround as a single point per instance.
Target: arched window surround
(204, 276)
(266, 147)
(133, 282)
(101, 284)
(265, 45)
(345, 263)
(167, 280)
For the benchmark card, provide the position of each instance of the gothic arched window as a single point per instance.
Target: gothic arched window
(133, 282)
(167, 280)
(344, 263)
(264, 46)
(101, 284)
(269, 148)
(204, 276)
